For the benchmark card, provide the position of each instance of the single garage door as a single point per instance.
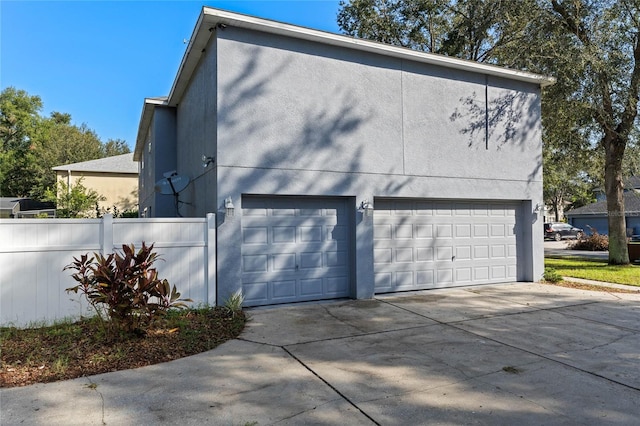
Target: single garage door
(294, 249)
(423, 244)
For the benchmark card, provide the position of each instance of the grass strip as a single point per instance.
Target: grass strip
(595, 269)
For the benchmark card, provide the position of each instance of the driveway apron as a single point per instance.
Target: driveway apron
(501, 354)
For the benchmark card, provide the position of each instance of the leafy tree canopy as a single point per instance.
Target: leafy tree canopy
(31, 144)
(73, 201)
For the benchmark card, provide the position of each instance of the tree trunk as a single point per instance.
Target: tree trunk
(618, 254)
(556, 208)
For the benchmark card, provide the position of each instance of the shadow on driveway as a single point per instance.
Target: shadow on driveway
(501, 354)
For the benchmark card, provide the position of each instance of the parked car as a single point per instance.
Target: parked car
(558, 231)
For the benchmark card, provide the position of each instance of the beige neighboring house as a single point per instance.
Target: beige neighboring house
(115, 178)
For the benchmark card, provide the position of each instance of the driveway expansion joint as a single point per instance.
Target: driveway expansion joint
(568, 314)
(343, 396)
(548, 358)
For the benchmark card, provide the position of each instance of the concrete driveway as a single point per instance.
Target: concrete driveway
(502, 354)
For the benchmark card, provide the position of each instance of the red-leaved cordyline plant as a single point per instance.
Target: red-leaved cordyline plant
(126, 287)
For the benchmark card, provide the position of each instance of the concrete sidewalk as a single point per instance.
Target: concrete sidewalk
(502, 354)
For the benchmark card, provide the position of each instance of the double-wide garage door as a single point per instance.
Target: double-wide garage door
(423, 244)
(295, 249)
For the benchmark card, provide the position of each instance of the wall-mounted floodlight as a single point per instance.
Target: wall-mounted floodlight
(229, 208)
(367, 208)
(206, 161)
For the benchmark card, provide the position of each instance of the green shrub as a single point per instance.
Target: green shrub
(234, 302)
(551, 275)
(124, 288)
(594, 242)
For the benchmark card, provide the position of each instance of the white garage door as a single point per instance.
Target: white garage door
(423, 244)
(294, 249)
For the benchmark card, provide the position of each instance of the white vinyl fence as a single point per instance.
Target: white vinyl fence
(33, 253)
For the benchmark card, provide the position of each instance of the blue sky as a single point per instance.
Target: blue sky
(98, 60)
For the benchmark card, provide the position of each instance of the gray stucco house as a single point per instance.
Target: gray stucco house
(339, 167)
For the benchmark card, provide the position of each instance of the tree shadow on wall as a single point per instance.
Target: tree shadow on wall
(285, 132)
(506, 121)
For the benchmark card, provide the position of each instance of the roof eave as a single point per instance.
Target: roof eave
(210, 18)
(145, 121)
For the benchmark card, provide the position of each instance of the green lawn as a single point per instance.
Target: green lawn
(597, 270)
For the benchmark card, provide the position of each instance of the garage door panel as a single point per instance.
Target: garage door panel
(498, 272)
(444, 253)
(284, 289)
(421, 244)
(481, 273)
(464, 275)
(310, 234)
(382, 255)
(337, 286)
(481, 252)
(283, 234)
(255, 293)
(463, 230)
(498, 251)
(311, 287)
(311, 212)
(383, 282)
(311, 260)
(463, 252)
(335, 258)
(283, 262)
(255, 263)
(294, 249)
(383, 232)
(283, 212)
(404, 255)
(445, 275)
(336, 233)
(404, 232)
(444, 231)
(424, 254)
(424, 231)
(480, 231)
(255, 235)
(424, 277)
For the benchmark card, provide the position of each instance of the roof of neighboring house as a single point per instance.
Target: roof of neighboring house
(211, 19)
(631, 205)
(632, 182)
(7, 203)
(117, 164)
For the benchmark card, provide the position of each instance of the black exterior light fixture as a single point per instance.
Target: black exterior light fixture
(206, 161)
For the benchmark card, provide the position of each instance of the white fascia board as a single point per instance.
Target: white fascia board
(145, 121)
(210, 18)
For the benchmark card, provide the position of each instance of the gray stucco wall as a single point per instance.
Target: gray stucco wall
(296, 104)
(164, 144)
(158, 155)
(292, 117)
(196, 133)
